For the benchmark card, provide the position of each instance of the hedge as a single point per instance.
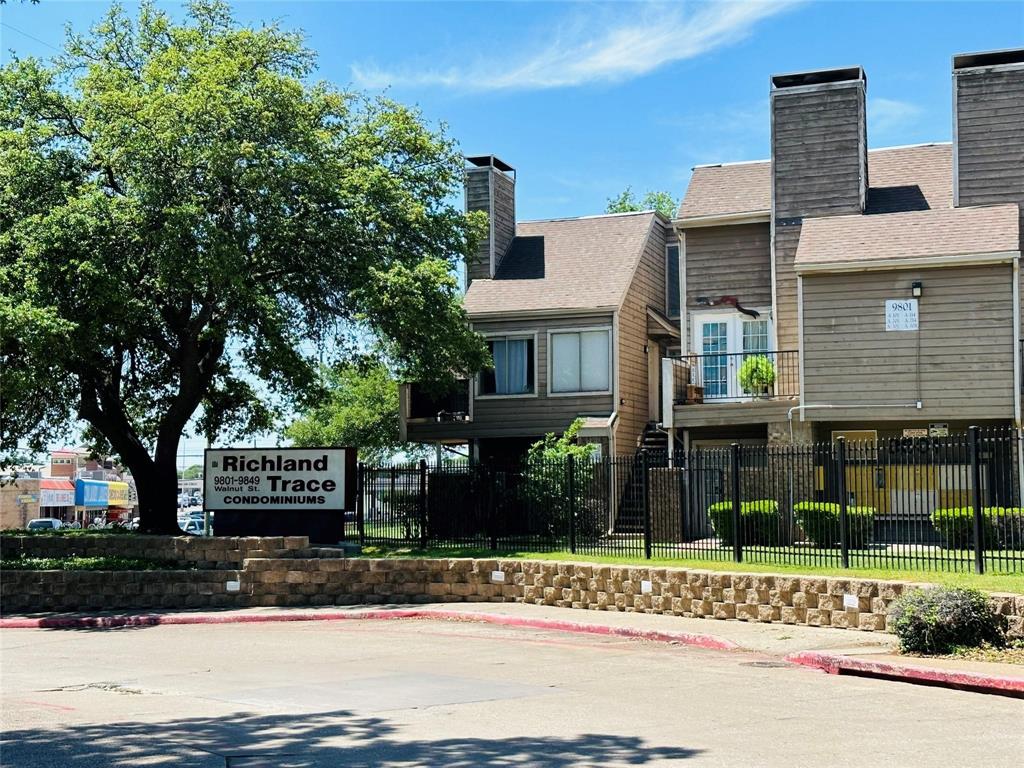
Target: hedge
(760, 521)
(819, 521)
(1001, 527)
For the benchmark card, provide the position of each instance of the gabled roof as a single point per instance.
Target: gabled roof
(587, 263)
(838, 242)
(899, 178)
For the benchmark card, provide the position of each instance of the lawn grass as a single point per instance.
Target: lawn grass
(991, 581)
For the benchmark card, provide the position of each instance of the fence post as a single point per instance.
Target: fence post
(844, 541)
(647, 504)
(571, 488)
(737, 522)
(489, 479)
(975, 445)
(423, 503)
(361, 502)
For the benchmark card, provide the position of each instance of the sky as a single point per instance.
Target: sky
(586, 98)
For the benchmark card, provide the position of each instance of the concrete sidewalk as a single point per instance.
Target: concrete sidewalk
(833, 650)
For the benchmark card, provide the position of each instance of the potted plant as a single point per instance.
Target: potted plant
(757, 375)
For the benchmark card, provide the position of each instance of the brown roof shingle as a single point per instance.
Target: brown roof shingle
(837, 241)
(899, 179)
(588, 263)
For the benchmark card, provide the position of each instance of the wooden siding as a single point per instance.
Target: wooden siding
(728, 261)
(523, 416)
(504, 213)
(478, 198)
(966, 344)
(819, 156)
(990, 136)
(818, 151)
(647, 288)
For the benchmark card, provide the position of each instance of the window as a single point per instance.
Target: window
(581, 361)
(755, 336)
(513, 372)
(672, 279)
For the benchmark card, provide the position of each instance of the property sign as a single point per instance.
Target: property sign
(279, 479)
(901, 314)
(56, 497)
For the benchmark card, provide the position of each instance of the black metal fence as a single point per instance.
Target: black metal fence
(950, 503)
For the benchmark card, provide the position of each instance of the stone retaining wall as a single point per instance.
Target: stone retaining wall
(817, 601)
(212, 552)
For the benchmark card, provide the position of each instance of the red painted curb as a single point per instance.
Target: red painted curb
(152, 620)
(836, 664)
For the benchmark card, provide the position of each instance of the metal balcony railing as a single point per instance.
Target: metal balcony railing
(735, 377)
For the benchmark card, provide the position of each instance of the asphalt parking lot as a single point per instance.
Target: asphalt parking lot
(435, 693)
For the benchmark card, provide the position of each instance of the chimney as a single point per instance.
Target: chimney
(819, 143)
(819, 168)
(491, 187)
(988, 128)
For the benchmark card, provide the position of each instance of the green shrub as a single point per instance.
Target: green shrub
(1009, 525)
(939, 619)
(545, 488)
(757, 373)
(956, 526)
(79, 563)
(760, 521)
(819, 520)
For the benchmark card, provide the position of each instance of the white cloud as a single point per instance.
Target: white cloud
(595, 50)
(886, 115)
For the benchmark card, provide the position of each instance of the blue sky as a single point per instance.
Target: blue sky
(586, 98)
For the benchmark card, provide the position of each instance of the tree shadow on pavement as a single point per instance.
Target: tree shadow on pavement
(339, 738)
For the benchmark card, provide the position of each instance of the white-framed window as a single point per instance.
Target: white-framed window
(515, 367)
(672, 266)
(579, 361)
(723, 340)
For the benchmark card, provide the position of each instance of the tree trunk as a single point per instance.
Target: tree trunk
(157, 485)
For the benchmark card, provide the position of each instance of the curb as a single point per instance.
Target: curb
(835, 664)
(153, 620)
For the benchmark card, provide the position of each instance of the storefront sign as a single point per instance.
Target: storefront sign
(56, 498)
(311, 479)
(117, 495)
(901, 315)
(91, 493)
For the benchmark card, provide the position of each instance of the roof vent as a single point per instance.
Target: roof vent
(988, 58)
(818, 77)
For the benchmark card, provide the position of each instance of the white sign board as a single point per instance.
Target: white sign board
(311, 479)
(901, 314)
(52, 497)
(851, 601)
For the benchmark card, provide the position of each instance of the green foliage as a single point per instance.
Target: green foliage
(760, 520)
(403, 506)
(546, 482)
(189, 222)
(626, 202)
(79, 563)
(1000, 526)
(820, 523)
(936, 621)
(360, 409)
(193, 472)
(757, 374)
(117, 530)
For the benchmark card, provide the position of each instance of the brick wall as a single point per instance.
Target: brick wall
(317, 581)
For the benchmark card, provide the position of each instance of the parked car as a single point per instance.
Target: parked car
(193, 527)
(183, 500)
(44, 524)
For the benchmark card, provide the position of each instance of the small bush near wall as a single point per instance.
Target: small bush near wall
(760, 521)
(956, 526)
(76, 563)
(935, 621)
(820, 523)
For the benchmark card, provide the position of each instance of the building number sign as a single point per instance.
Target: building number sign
(901, 315)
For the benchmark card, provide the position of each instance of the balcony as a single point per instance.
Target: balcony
(703, 390)
(428, 405)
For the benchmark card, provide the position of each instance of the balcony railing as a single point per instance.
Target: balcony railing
(452, 405)
(734, 377)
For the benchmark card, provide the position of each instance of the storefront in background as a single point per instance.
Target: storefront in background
(57, 498)
(119, 504)
(91, 499)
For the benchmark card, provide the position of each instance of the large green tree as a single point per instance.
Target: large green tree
(360, 409)
(189, 224)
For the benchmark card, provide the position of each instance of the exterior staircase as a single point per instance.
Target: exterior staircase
(652, 445)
